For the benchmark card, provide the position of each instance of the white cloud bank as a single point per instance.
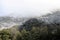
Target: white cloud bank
(28, 7)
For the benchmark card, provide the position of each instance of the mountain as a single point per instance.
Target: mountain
(50, 20)
(7, 21)
(54, 17)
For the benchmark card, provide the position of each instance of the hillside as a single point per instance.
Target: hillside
(7, 21)
(52, 21)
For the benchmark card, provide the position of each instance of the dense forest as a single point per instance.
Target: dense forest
(34, 29)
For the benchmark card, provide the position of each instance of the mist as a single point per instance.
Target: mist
(28, 8)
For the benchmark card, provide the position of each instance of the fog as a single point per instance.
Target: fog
(27, 8)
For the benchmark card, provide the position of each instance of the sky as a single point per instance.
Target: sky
(27, 8)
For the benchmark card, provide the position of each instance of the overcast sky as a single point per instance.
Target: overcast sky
(27, 8)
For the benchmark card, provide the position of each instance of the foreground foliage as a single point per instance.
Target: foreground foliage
(36, 33)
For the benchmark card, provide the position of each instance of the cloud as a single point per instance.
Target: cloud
(29, 7)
